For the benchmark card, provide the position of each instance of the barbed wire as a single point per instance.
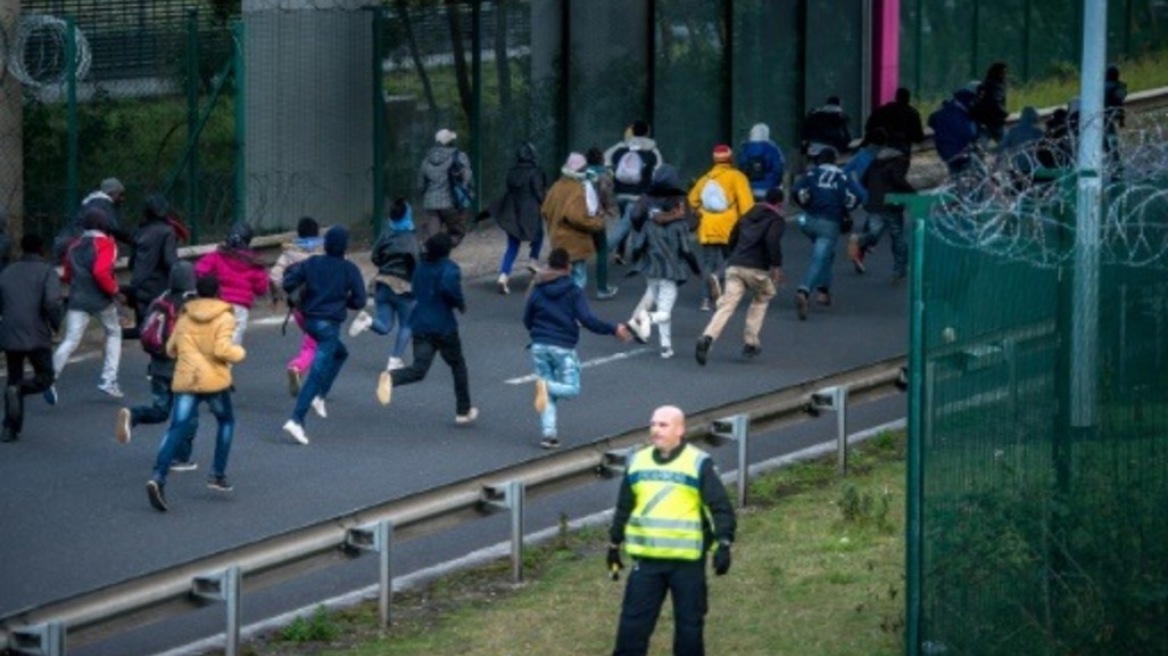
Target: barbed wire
(1021, 204)
(37, 56)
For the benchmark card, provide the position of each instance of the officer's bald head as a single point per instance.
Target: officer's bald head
(667, 428)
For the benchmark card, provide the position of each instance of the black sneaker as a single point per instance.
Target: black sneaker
(12, 404)
(219, 484)
(154, 491)
(703, 349)
(549, 443)
(751, 350)
(9, 435)
(801, 304)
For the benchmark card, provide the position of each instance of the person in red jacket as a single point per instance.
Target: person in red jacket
(242, 275)
(93, 289)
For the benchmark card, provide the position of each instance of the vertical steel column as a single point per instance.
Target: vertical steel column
(73, 138)
(377, 538)
(735, 428)
(192, 199)
(46, 639)
(240, 74)
(516, 490)
(835, 399)
(918, 377)
(226, 587)
(379, 127)
(476, 102)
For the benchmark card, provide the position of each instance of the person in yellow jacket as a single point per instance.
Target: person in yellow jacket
(202, 347)
(671, 509)
(720, 197)
(570, 222)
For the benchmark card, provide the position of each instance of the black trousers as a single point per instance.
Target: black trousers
(649, 580)
(450, 348)
(42, 378)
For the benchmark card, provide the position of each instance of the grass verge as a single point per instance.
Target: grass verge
(818, 569)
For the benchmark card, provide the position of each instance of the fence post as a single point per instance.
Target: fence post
(73, 139)
(378, 538)
(510, 496)
(735, 428)
(835, 399)
(224, 587)
(193, 115)
(239, 73)
(46, 639)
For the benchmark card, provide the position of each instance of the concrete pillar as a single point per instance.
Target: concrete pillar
(309, 113)
(11, 130)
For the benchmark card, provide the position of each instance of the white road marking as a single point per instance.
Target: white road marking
(624, 355)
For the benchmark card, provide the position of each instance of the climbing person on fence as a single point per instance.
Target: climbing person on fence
(954, 131)
(719, 197)
(204, 350)
(672, 510)
(159, 322)
(446, 186)
(307, 243)
(395, 254)
(900, 120)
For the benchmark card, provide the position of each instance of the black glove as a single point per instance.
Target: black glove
(615, 565)
(722, 559)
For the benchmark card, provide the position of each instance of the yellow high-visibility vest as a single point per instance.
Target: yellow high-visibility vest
(666, 521)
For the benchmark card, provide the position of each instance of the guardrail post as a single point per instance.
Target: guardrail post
(510, 497)
(224, 587)
(378, 538)
(46, 639)
(612, 463)
(734, 428)
(835, 399)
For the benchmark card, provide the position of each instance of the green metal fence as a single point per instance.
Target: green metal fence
(1038, 478)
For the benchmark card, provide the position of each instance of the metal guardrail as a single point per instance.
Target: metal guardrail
(93, 616)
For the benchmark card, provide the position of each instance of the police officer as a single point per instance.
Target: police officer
(672, 507)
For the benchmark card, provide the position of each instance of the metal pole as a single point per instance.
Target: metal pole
(384, 541)
(1085, 299)
(193, 114)
(11, 131)
(919, 375)
(515, 492)
(231, 595)
(74, 131)
(476, 118)
(841, 427)
(240, 74)
(1122, 338)
(379, 127)
(741, 423)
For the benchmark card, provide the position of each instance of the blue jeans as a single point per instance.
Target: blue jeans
(712, 258)
(330, 357)
(893, 223)
(186, 407)
(512, 252)
(823, 232)
(580, 273)
(624, 225)
(560, 367)
(392, 307)
(161, 403)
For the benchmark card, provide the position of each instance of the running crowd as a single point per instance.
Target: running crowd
(624, 206)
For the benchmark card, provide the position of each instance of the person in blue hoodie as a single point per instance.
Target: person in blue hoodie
(762, 161)
(437, 287)
(555, 311)
(954, 130)
(395, 254)
(331, 285)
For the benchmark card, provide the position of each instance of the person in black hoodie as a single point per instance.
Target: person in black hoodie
(556, 308)
(332, 285)
(437, 286)
(30, 302)
(395, 254)
(755, 263)
(181, 287)
(886, 175)
(155, 252)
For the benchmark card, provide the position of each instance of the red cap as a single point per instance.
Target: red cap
(722, 153)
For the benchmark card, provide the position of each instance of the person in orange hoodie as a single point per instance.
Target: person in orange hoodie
(204, 351)
(720, 197)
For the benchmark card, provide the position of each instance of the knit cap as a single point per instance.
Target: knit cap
(722, 153)
(576, 162)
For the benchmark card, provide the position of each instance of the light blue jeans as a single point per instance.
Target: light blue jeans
(392, 308)
(823, 232)
(560, 368)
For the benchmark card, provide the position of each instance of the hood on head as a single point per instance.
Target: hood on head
(336, 240)
(206, 310)
(964, 97)
(555, 282)
(240, 236)
(440, 155)
(1029, 116)
(666, 181)
(155, 207)
(760, 132)
(182, 277)
(525, 153)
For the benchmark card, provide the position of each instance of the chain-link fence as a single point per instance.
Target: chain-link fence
(946, 44)
(1039, 459)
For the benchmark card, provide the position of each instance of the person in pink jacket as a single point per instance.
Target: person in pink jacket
(242, 276)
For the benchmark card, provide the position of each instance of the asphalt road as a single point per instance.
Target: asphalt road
(74, 513)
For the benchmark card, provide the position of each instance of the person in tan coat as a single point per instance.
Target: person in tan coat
(719, 204)
(570, 222)
(204, 351)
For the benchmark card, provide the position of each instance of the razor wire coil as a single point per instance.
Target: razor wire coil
(37, 56)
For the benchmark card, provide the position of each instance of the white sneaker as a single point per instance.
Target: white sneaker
(296, 431)
(122, 430)
(395, 363)
(318, 406)
(360, 323)
(666, 352)
(468, 418)
(112, 389)
(384, 388)
(502, 282)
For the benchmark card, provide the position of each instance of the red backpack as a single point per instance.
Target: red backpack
(161, 316)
